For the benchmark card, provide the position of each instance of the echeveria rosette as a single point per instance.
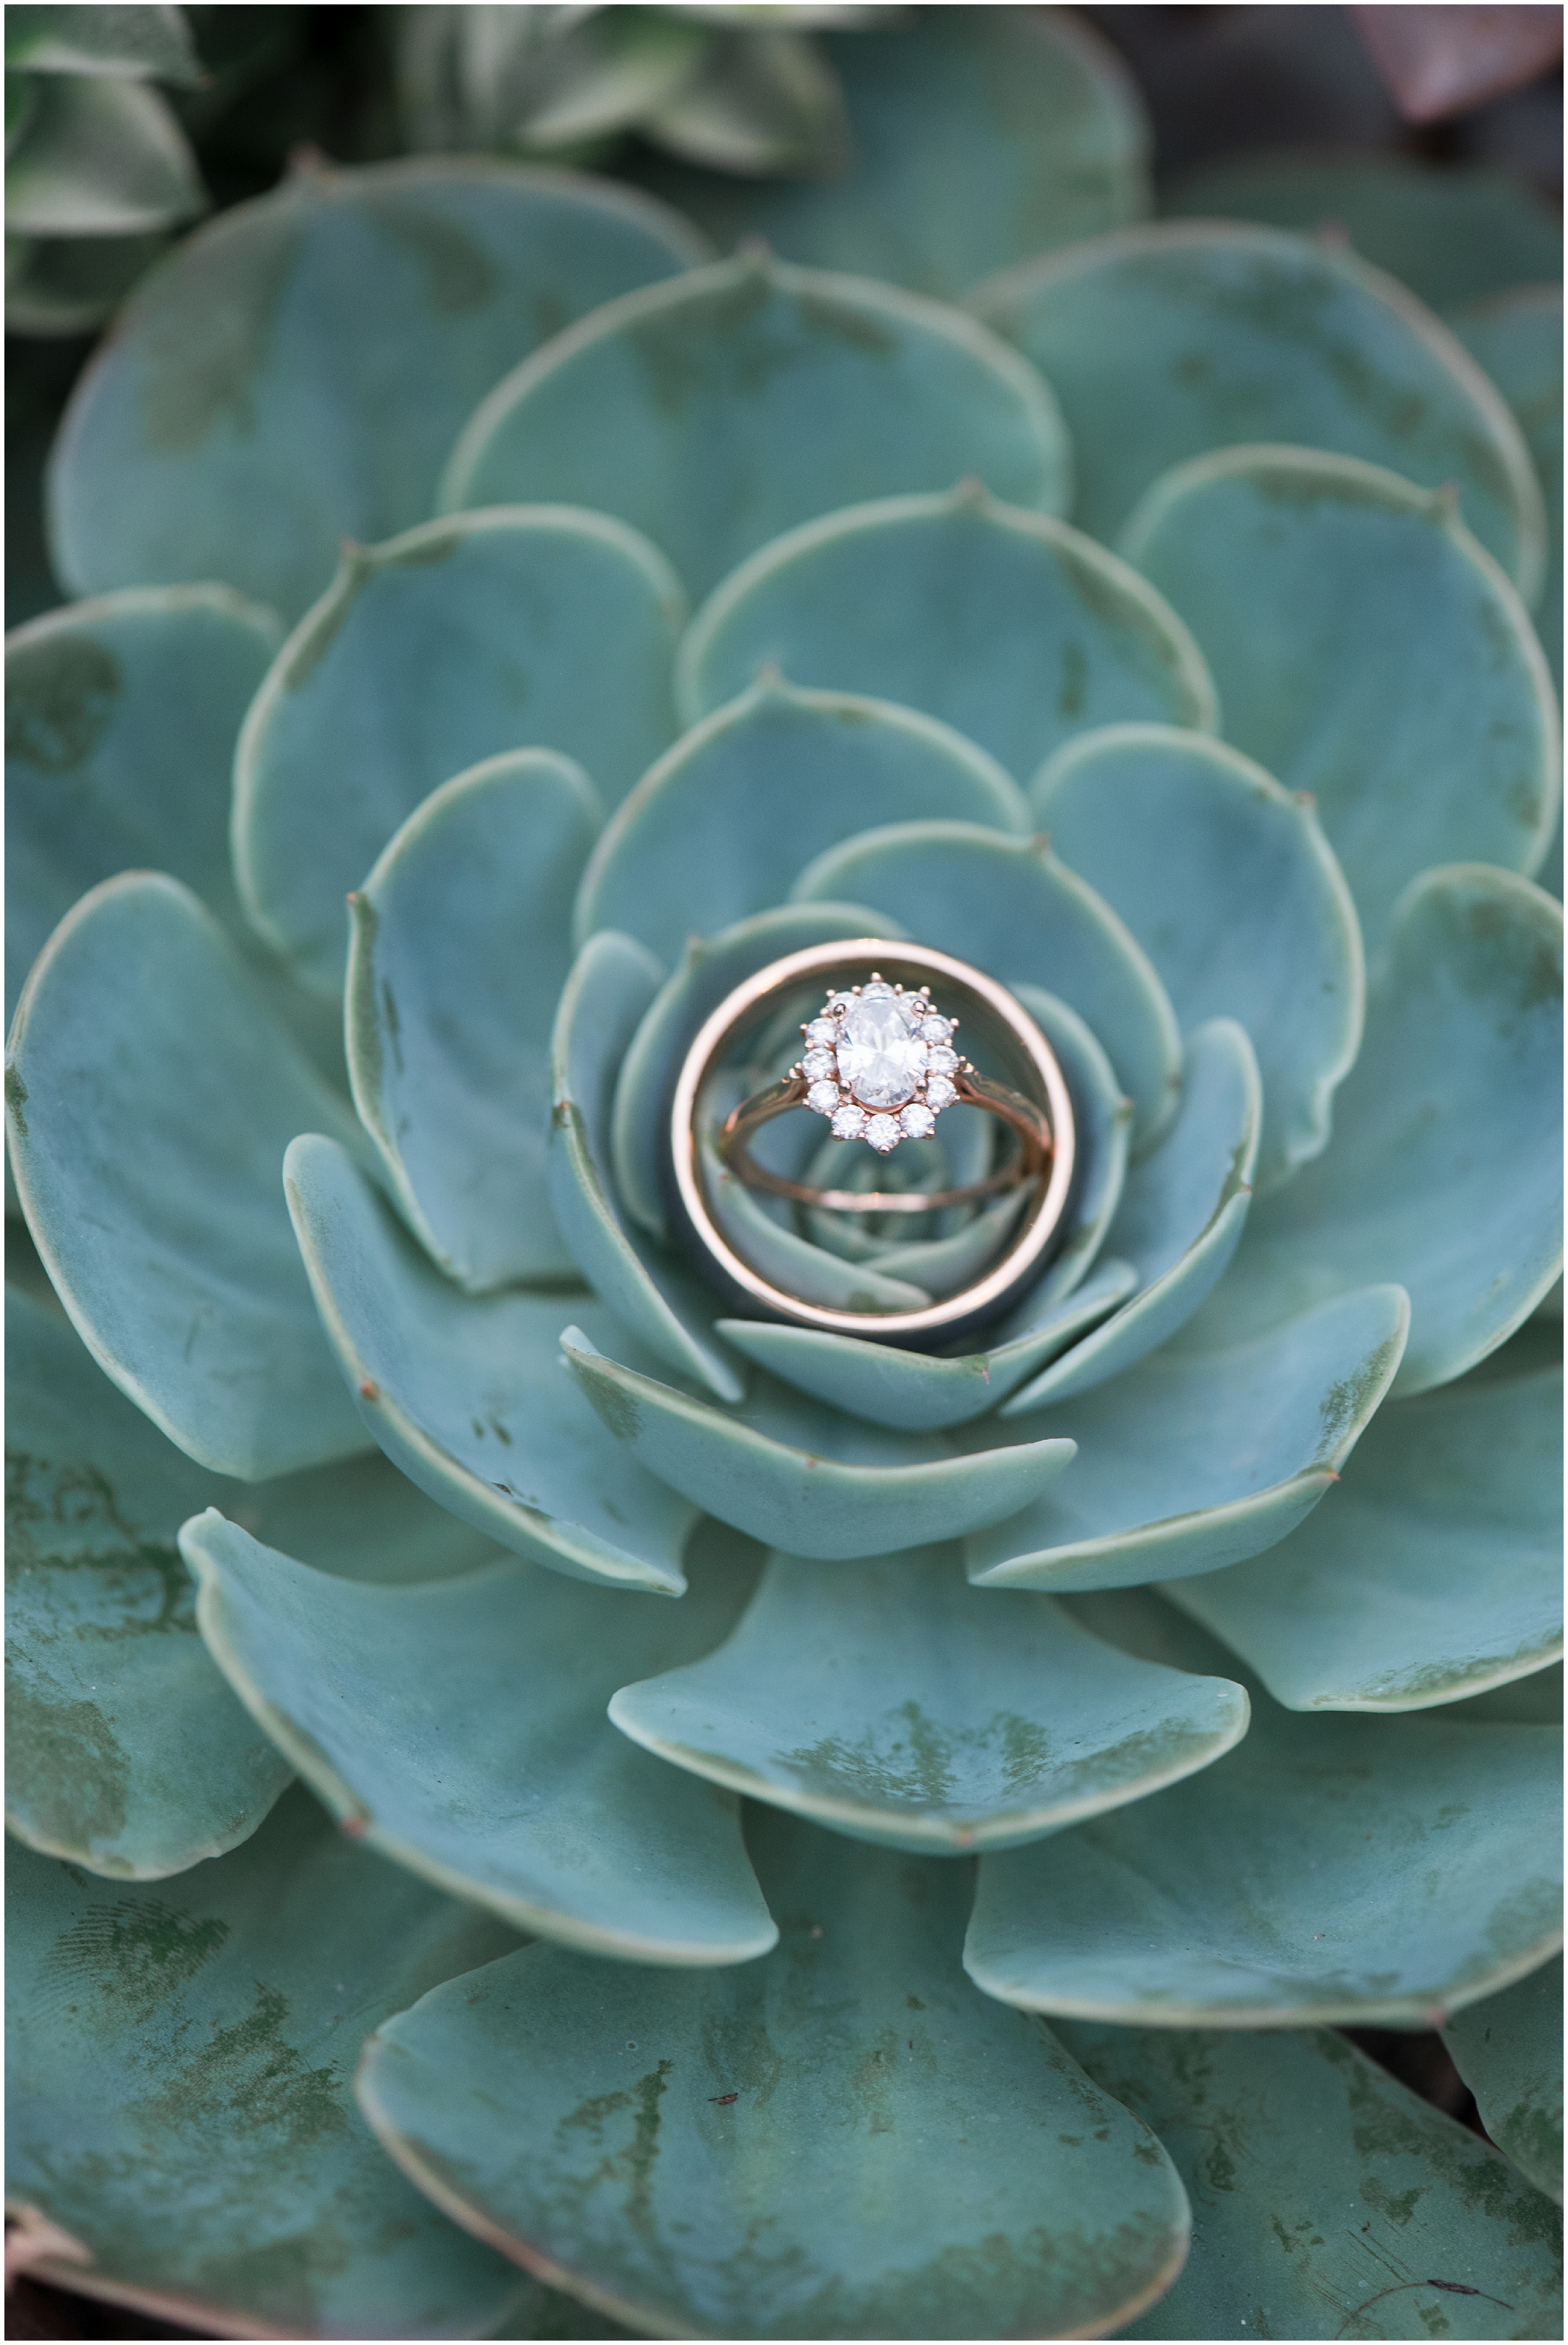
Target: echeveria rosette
(673, 685)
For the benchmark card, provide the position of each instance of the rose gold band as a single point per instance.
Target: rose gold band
(1030, 1123)
(1036, 1104)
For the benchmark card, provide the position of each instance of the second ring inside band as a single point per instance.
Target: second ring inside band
(968, 1203)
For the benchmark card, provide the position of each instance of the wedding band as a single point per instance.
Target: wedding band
(881, 1045)
(879, 1065)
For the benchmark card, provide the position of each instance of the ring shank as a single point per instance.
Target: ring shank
(1010, 1107)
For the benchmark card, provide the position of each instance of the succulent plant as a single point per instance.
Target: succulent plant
(729, 89)
(793, 1836)
(97, 167)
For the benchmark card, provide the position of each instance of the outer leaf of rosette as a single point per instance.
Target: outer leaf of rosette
(1229, 886)
(888, 1700)
(1033, 114)
(1012, 627)
(1368, 651)
(188, 2126)
(1451, 232)
(1444, 1172)
(461, 1731)
(460, 946)
(457, 642)
(784, 1468)
(1011, 907)
(1200, 1458)
(710, 968)
(1517, 337)
(610, 993)
(1509, 2050)
(125, 1750)
(1412, 2192)
(151, 1096)
(297, 371)
(714, 414)
(1433, 1571)
(464, 1395)
(1247, 1897)
(723, 823)
(1253, 334)
(1178, 1220)
(97, 779)
(914, 2159)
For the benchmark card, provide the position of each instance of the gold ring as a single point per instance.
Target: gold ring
(883, 1049)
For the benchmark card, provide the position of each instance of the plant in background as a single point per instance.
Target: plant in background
(1122, 1706)
(97, 168)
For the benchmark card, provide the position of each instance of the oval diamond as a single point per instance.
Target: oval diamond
(878, 1057)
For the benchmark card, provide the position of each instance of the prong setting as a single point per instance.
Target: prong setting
(878, 1063)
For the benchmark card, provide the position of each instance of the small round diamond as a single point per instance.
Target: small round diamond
(822, 1030)
(940, 1061)
(934, 1029)
(848, 1122)
(876, 992)
(883, 1133)
(939, 1092)
(918, 1122)
(822, 1098)
(817, 1063)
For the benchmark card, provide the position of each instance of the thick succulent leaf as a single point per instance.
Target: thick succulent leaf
(181, 2101)
(460, 947)
(124, 1749)
(464, 1395)
(839, 2141)
(917, 1392)
(1031, 115)
(453, 643)
(1518, 340)
(1373, 1872)
(1444, 1172)
(150, 1099)
(1195, 1458)
(1509, 2050)
(1451, 232)
(1228, 884)
(1367, 651)
(1340, 2239)
(1433, 1571)
(137, 42)
(888, 1700)
(99, 157)
(460, 1729)
(1010, 908)
(761, 100)
(1252, 334)
(710, 968)
(607, 997)
(1102, 1118)
(716, 413)
(804, 1477)
(297, 371)
(720, 826)
(97, 780)
(1179, 1219)
(1012, 628)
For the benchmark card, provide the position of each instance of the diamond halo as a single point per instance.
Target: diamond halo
(878, 1063)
